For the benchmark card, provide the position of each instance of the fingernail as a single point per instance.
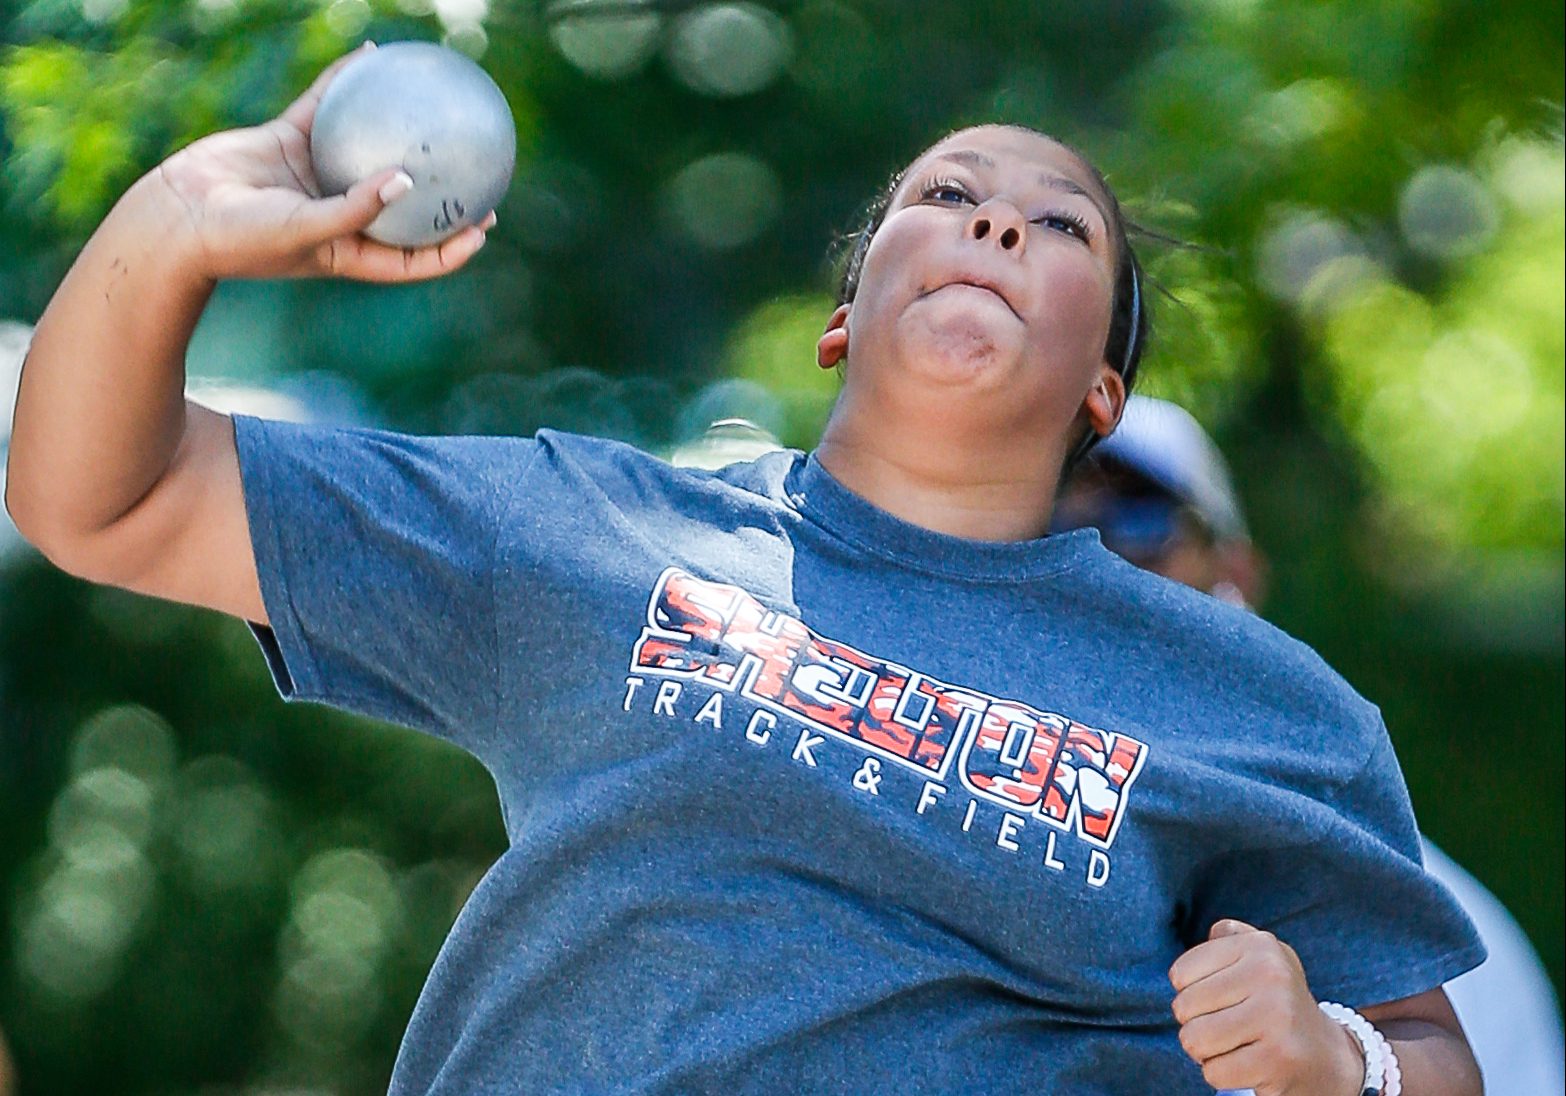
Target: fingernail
(368, 45)
(395, 187)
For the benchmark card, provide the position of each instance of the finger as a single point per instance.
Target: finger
(1218, 1033)
(301, 112)
(1205, 960)
(488, 222)
(1293, 958)
(346, 214)
(363, 259)
(1229, 927)
(1244, 1067)
(1218, 991)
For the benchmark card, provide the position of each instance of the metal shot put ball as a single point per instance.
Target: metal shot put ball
(430, 111)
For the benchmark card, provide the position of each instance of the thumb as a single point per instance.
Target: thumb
(352, 211)
(1229, 927)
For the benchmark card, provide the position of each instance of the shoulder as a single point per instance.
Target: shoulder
(625, 476)
(324, 445)
(1224, 663)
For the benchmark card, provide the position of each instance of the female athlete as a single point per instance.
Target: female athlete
(820, 773)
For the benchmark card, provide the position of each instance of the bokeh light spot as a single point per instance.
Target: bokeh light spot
(331, 920)
(1446, 212)
(467, 38)
(725, 442)
(729, 50)
(348, 18)
(731, 398)
(724, 200)
(103, 11)
(127, 737)
(72, 931)
(344, 900)
(608, 45)
(326, 1000)
(224, 828)
(460, 13)
(96, 808)
(1336, 282)
(1528, 174)
(1306, 110)
(346, 910)
(1299, 244)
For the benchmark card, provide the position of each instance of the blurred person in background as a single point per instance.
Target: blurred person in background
(1159, 493)
(745, 854)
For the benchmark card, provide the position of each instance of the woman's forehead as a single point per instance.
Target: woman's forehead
(987, 146)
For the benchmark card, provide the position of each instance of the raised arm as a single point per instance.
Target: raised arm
(113, 473)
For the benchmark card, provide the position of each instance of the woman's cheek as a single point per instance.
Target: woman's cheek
(1074, 307)
(892, 253)
(889, 280)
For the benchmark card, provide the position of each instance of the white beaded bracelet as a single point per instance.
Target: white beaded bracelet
(1383, 1077)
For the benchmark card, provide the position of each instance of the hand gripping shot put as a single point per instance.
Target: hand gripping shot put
(431, 112)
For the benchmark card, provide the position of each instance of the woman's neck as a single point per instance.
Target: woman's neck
(979, 487)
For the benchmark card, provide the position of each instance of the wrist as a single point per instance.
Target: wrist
(156, 216)
(1381, 1075)
(1348, 1073)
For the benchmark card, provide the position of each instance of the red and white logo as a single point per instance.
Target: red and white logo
(1041, 764)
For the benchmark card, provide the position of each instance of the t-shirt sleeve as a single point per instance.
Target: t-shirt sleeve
(1342, 881)
(376, 553)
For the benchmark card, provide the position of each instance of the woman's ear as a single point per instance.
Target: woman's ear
(1105, 401)
(832, 346)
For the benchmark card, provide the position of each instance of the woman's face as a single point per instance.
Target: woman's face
(989, 283)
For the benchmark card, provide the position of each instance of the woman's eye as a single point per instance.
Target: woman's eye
(949, 193)
(1068, 223)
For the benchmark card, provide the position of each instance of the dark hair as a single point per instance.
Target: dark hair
(1130, 323)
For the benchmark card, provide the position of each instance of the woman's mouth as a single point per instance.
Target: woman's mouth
(982, 285)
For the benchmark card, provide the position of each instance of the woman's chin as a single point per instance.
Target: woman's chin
(962, 350)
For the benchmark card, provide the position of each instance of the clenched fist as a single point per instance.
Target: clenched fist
(1248, 1018)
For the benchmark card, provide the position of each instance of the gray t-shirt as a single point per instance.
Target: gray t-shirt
(803, 798)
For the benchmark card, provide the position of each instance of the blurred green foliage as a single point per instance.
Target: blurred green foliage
(205, 892)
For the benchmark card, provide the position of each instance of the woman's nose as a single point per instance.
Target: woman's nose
(1001, 222)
